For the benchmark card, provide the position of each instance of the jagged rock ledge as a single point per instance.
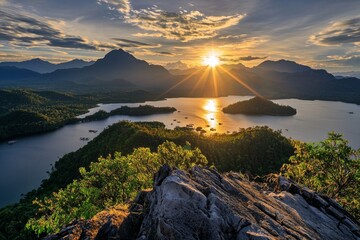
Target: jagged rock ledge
(203, 204)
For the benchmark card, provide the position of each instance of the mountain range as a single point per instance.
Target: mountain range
(119, 69)
(41, 66)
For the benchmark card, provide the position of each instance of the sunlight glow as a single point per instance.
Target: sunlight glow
(211, 105)
(211, 108)
(211, 60)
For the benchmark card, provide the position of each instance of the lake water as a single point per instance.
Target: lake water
(24, 164)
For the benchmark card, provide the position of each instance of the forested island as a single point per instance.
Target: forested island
(259, 106)
(25, 112)
(142, 110)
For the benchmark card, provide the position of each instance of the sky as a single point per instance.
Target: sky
(319, 33)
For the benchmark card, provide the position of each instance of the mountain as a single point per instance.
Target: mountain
(119, 70)
(41, 66)
(282, 66)
(355, 74)
(118, 64)
(204, 204)
(270, 79)
(75, 63)
(14, 73)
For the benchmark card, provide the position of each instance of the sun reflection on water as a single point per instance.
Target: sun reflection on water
(211, 108)
(211, 105)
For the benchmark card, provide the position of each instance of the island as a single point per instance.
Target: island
(142, 110)
(259, 106)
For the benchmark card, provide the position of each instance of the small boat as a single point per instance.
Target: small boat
(93, 131)
(11, 142)
(351, 112)
(84, 139)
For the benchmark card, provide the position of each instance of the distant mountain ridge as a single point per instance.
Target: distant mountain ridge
(282, 66)
(14, 73)
(119, 69)
(42, 66)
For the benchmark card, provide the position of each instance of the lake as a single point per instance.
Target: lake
(24, 164)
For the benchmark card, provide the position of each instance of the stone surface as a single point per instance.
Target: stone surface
(203, 204)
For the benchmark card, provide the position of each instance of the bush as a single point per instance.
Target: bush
(331, 167)
(110, 181)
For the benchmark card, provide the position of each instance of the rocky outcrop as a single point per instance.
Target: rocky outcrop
(203, 204)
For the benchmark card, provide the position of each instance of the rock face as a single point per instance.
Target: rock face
(202, 204)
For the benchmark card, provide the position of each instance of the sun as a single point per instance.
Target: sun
(211, 60)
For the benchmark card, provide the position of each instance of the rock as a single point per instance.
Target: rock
(203, 204)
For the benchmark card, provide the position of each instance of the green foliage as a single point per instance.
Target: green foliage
(258, 150)
(110, 181)
(259, 106)
(25, 112)
(331, 167)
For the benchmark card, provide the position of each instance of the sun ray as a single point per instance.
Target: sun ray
(181, 82)
(203, 77)
(241, 82)
(215, 82)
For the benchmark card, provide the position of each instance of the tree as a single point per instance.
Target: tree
(331, 167)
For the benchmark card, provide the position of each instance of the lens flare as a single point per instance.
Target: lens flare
(211, 61)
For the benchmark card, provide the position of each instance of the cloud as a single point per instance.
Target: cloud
(22, 30)
(182, 25)
(147, 52)
(231, 58)
(245, 43)
(233, 36)
(123, 6)
(147, 35)
(251, 58)
(338, 33)
(122, 42)
(166, 53)
(344, 61)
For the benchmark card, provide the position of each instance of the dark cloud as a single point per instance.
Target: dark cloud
(22, 30)
(339, 33)
(250, 58)
(230, 58)
(166, 53)
(122, 42)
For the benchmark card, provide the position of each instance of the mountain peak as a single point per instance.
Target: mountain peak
(36, 60)
(119, 54)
